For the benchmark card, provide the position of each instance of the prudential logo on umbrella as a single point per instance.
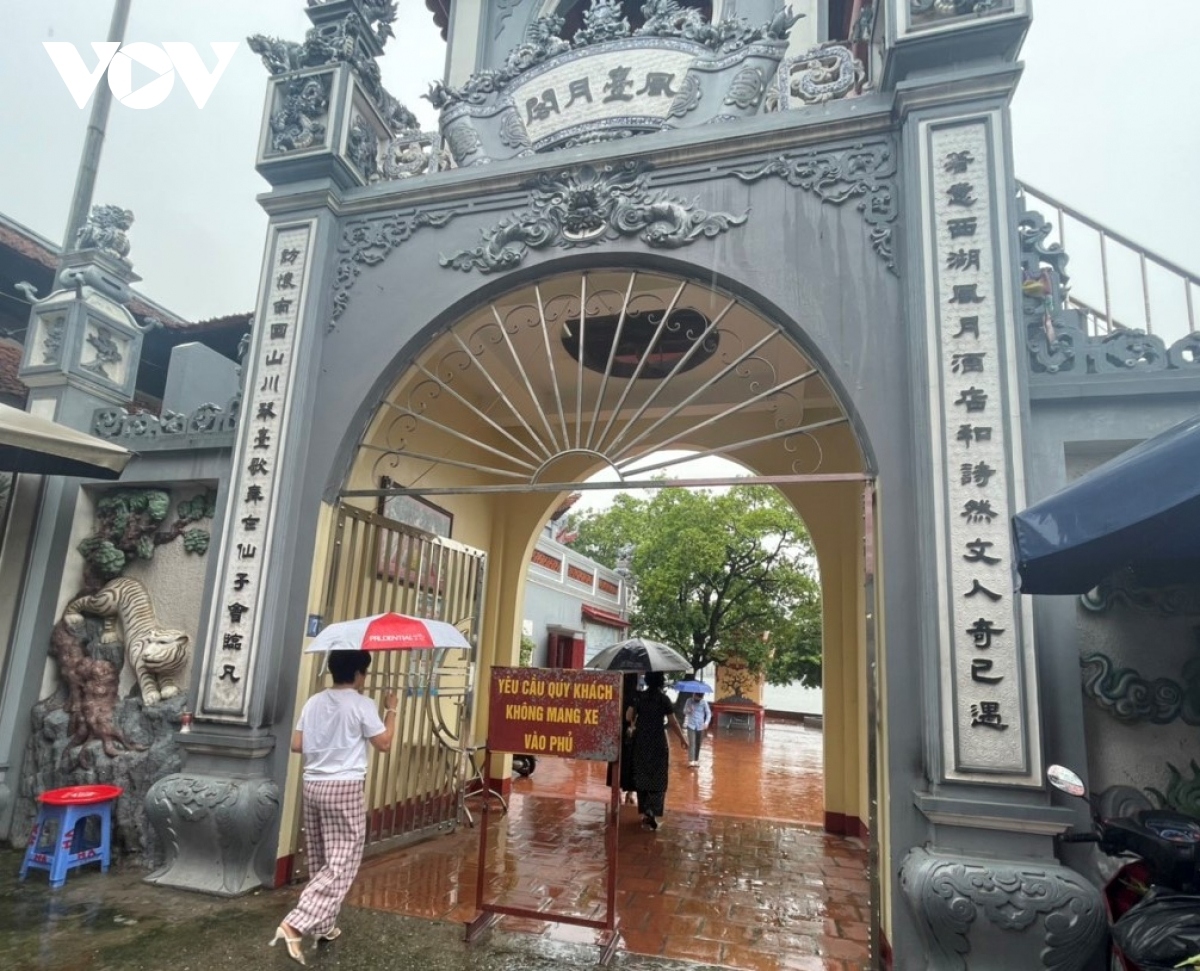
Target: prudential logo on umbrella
(387, 632)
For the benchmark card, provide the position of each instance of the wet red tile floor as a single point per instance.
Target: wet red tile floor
(739, 874)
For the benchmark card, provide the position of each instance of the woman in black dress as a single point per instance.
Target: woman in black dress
(652, 713)
(629, 686)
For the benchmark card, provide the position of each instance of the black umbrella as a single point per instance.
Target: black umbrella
(640, 654)
(1140, 510)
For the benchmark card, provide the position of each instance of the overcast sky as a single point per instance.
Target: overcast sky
(1104, 119)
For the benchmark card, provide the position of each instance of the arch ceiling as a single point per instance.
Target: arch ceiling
(604, 368)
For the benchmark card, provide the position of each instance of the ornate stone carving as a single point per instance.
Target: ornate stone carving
(1043, 916)
(403, 157)
(1123, 588)
(52, 339)
(198, 817)
(583, 207)
(362, 148)
(688, 98)
(351, 32)
(1130, 698)
(105, 231)
(935, 11)
(157, 655)
(367, 242)
(90, 670)
(301, 120)
(208, 419)
(604, 22)
(865, 171)
(825, 73)
(747, 89)
(107, 351)
(1182, 795)
(463, 141)
(1056, 337)
(512, 132)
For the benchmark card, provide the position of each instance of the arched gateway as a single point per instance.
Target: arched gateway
(811, 275)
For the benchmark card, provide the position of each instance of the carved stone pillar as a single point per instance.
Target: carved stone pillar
(1038, 915)
(986, 889)
(210, 829)
(326, 113)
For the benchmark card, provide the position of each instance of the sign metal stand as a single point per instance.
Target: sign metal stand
(566, 713)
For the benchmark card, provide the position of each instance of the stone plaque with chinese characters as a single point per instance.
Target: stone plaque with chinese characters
(989, 720)
(603, 90)
(245, 549)
(616, 86)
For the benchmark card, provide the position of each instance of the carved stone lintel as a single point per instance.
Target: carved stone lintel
(583, 207)
(864, 172)
(211, 829)
(1037, 915)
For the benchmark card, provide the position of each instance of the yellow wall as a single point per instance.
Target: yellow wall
(289, 823)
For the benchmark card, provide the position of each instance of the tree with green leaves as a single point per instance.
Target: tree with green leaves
(129, 526)
(717, 575)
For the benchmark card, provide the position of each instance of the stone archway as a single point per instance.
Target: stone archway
(534, 389)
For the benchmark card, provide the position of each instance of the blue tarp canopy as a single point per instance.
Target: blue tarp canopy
(1141, 510)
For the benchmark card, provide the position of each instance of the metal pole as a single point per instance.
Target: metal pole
(85, 179)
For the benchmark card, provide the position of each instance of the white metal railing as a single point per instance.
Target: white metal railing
(1116, 283)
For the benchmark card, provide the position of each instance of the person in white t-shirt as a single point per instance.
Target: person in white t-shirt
(332, 734)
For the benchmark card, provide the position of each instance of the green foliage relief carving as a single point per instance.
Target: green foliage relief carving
(129, 526)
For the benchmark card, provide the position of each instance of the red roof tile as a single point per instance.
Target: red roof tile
(10, 361)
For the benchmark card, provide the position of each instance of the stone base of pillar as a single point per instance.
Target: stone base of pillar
(211, 829)
(1038, 915)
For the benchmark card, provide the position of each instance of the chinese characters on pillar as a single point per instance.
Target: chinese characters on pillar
(270, 371)
(623, 85)
(983, 712)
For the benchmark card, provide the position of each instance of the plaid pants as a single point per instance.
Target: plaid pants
(335, 821)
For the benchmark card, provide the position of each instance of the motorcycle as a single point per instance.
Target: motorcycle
(1153, 900)
(523, 765)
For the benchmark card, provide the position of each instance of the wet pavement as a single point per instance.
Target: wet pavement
(115, 922)
(737, 877)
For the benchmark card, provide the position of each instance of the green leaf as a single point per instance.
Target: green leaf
(713, 573)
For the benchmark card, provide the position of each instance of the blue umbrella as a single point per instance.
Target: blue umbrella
(692, 687)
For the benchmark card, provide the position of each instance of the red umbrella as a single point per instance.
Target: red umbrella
(387, 632)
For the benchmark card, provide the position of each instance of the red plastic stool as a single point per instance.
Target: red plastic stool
(59, 841)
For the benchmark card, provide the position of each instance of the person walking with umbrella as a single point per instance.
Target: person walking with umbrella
(696, 717)
(652, 714)
(333, 732)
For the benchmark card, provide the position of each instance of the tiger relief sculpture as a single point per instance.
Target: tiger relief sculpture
(156, 655)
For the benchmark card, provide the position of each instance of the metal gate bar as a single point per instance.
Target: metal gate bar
(380, 565)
